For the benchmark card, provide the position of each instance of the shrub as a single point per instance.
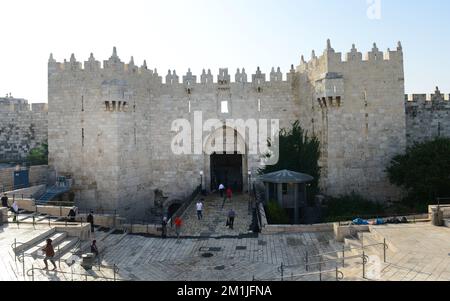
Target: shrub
(276, 214)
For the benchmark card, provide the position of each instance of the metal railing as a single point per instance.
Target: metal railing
(443, 201)
(338, 275)
(10, 188)
(342, 252)
(185, 205)
(31, 274)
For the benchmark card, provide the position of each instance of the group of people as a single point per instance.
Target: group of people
(49, 252)
(14, 207)
(199, 206)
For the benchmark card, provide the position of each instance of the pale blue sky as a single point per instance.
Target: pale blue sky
(178, 34)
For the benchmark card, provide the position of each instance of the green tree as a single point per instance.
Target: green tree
(38, 155)
(276, 214)
(300, 153)
(424, 171)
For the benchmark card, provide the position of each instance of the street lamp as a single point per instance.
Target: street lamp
(249, 181)
(201, 179)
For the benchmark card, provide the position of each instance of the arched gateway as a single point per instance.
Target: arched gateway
(226, 160)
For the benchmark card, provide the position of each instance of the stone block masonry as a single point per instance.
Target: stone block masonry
(110, 124)
(22, 128)
(427, 116)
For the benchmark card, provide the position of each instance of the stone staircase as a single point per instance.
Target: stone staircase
(214, 219)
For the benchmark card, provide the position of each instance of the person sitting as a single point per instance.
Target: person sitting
(72, 214)
(94, 248)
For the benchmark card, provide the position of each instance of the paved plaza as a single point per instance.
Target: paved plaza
(207, 250)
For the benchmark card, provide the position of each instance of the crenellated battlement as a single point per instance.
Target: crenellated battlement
(435, 99)
(115, 65)
(330, 57)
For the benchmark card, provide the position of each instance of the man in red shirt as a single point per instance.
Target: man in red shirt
(178, 223)
(229, 195)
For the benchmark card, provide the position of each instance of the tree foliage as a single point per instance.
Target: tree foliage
(298, 152)
(276, 214)
(424, 171)
(38, 155)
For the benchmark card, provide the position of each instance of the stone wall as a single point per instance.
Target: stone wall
(22, 128)
(111, 125)
(427, 116)
(37, 175)
(359, 115)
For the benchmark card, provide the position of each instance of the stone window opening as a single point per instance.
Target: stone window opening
(189, 106)
(338, 100)
(224, 107)
(259, 89)
(82, 137)
(259, 104)
(82, 103)
(124, 105)
(114, 106)
(119, 106)
(108, 108)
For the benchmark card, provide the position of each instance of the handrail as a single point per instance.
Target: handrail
(339, 275)
(115, 269)
(185, 205)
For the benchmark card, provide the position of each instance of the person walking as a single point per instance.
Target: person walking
(229, 195)
(5, 201)
(164, 227)
(199, 206)
(221, 190)
(178, 223)
(90, 219)
(15, 210)
(49, 254)
(231, 217)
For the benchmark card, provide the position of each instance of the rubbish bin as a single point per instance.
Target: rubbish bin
(88, 261)
(437, 217)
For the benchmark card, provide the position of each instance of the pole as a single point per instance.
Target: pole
(306, 260)
(282, 271)
(343, 256)
(320, 272)
(23, 264)
(364, 264)
(114, 267)
(384, 249)
(15, 249)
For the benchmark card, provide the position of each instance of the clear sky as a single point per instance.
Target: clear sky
(178, 34)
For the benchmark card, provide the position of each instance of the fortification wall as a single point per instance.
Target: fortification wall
(22, 128)
(427, 116)
(359, 105)
(111, 127)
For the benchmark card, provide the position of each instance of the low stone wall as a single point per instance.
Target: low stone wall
(445, 209)
(27, 192)
(82, 232)
(3, 215)
(37, 175)
(342, 232)
(276, 229)
(143, 229)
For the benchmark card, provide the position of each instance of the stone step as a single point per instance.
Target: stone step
(447, 223)
(36, 250)
(22, 247)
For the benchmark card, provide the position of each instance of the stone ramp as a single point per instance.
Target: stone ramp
(215, 217)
